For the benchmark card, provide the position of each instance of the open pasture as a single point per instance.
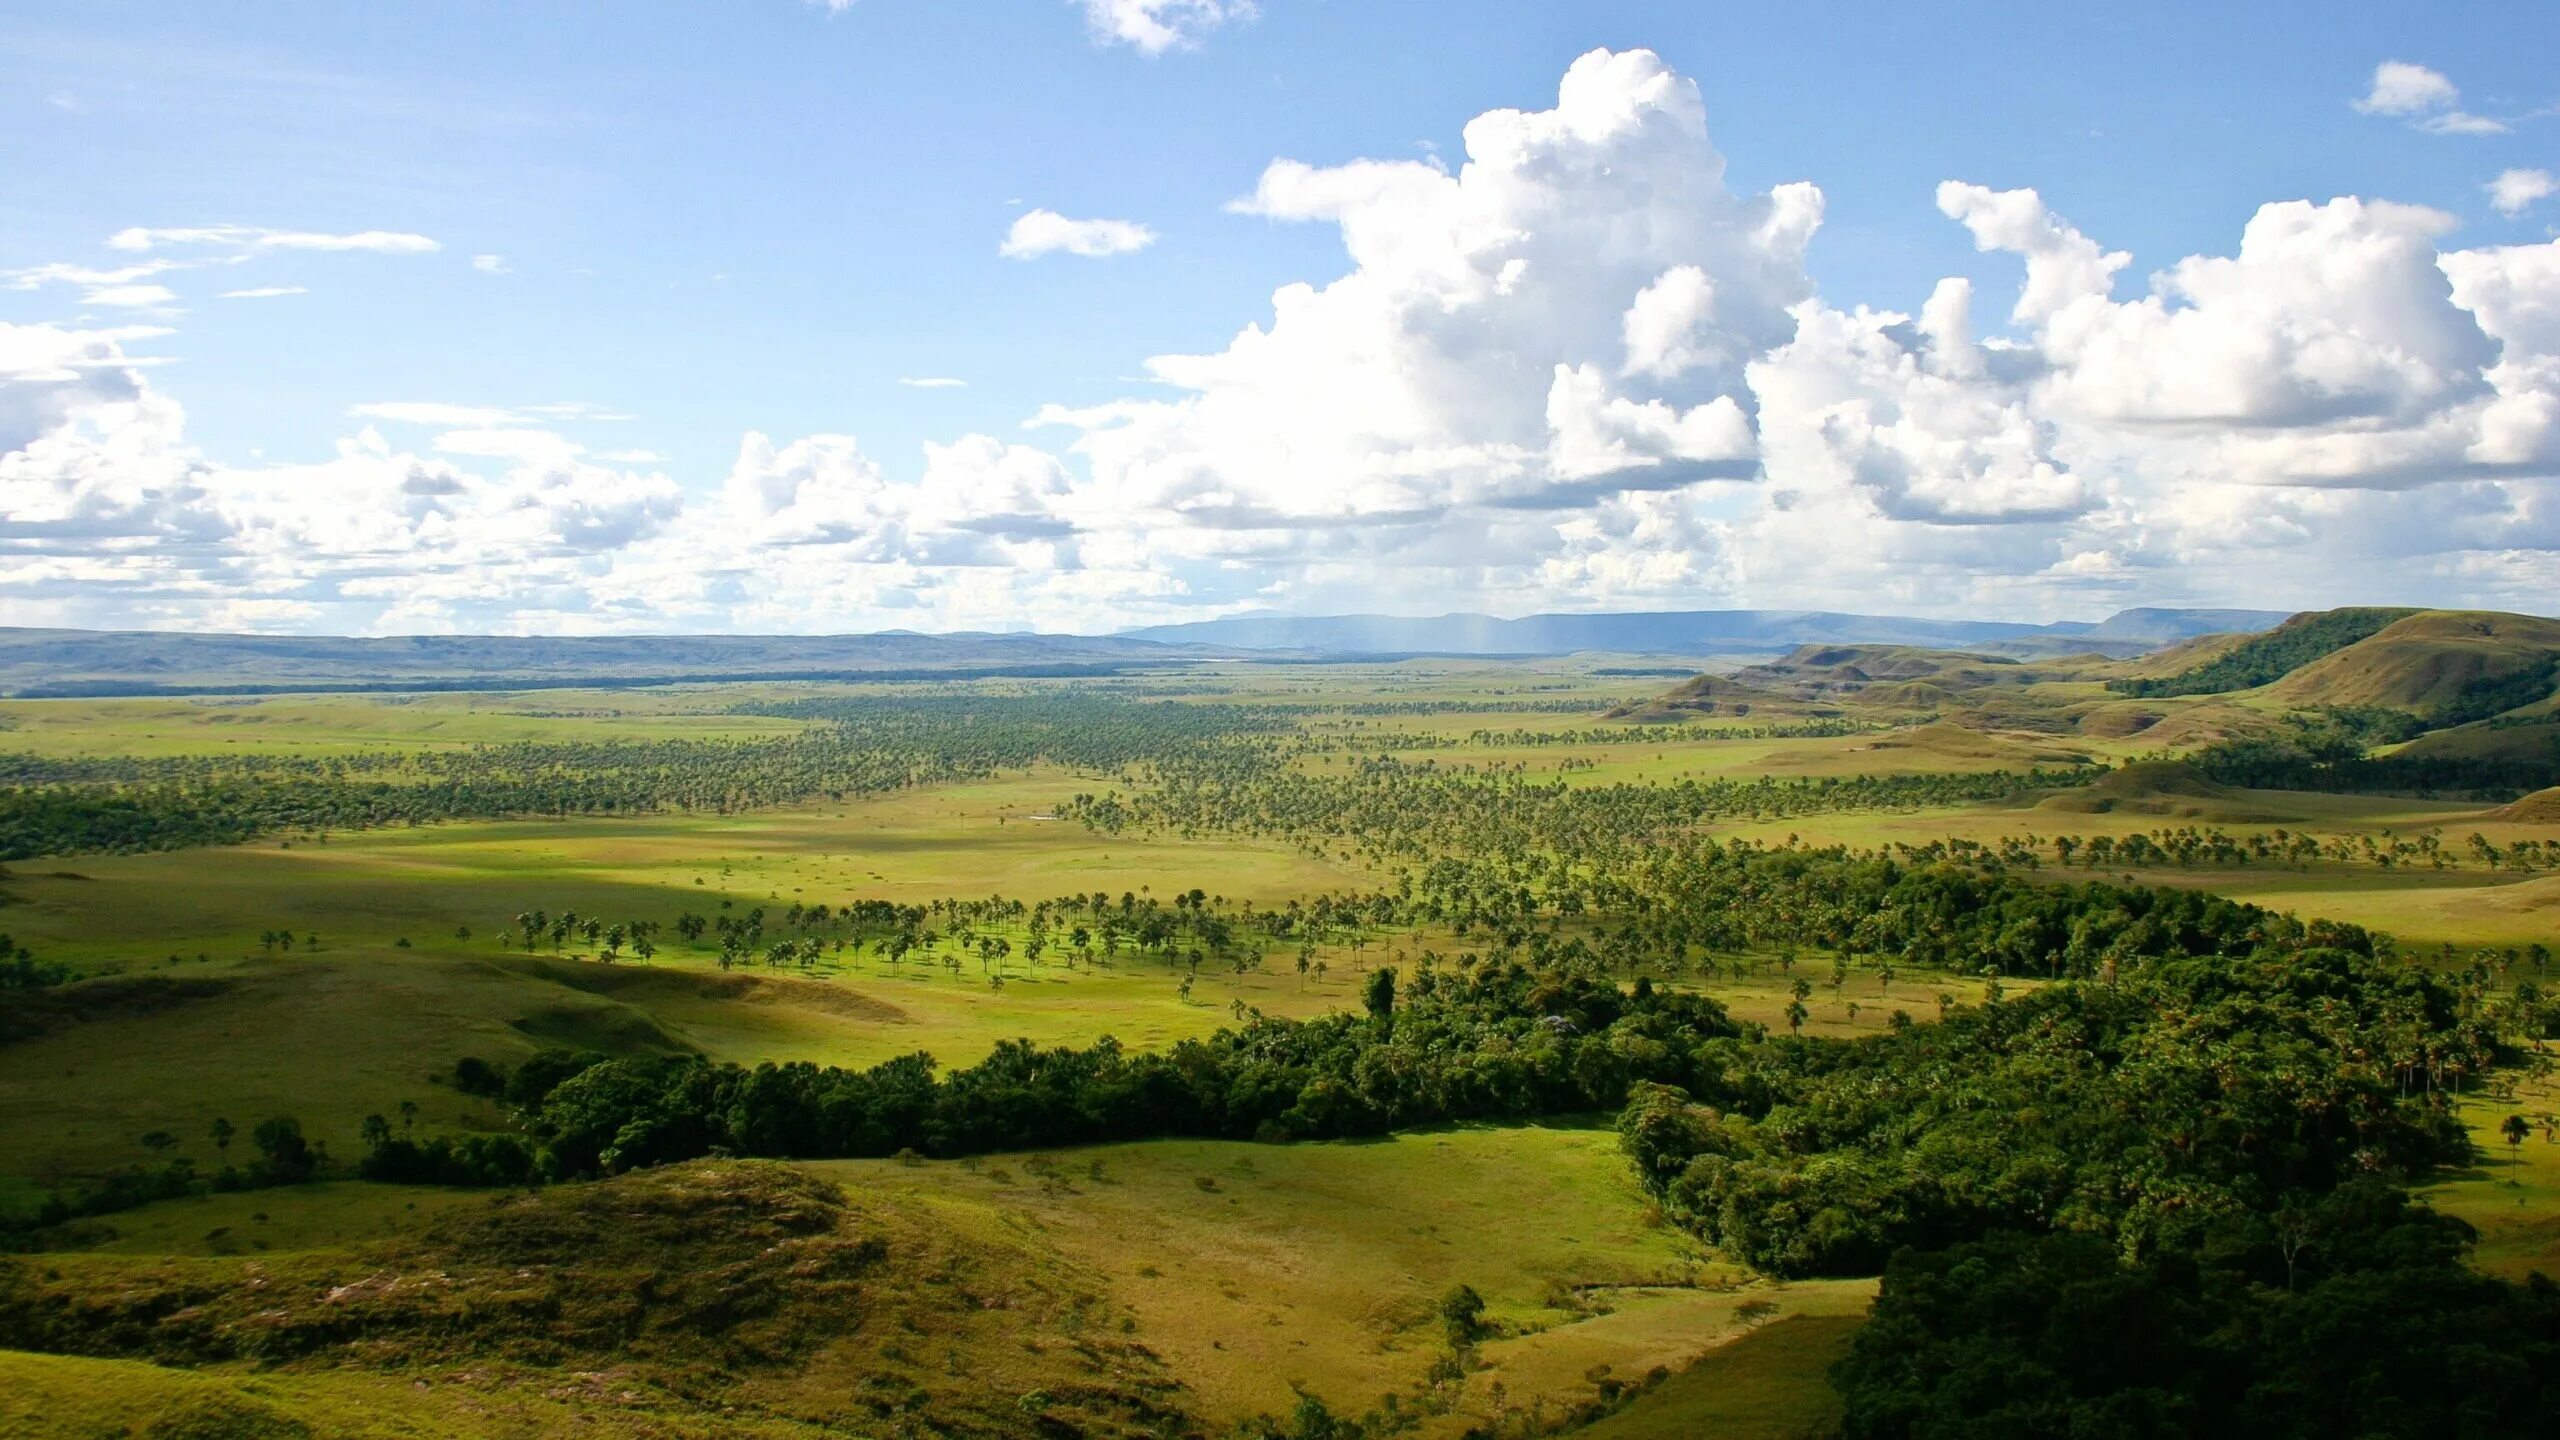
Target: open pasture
(324, 725)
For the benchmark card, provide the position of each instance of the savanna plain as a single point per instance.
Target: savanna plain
(1868, 1040)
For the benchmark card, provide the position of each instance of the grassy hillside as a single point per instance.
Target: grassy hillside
(47, 1396)
(780, 1298)
(2180, 658)
(1768, 1385)
(2446, 666)
(1710, 695)
(2154, 787)
(2263, 659)
(720, 1288)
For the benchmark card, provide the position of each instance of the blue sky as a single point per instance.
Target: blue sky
(758, 216)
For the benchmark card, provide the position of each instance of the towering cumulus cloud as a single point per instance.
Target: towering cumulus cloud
(1563, 322)
(1579, 369)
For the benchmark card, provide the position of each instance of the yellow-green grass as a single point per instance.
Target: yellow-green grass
(375, 887)
(320, 725)
(281, 1221)
(332, 1038)
(717, 1298)
(2512, 1196)
(1768, 1385)
(1249, 1271)
(52, 1397)
(1258, 1270)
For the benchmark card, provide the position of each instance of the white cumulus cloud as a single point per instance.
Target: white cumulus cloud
(1046, 232)
(2424, 98)
(1154, 26)
(2516, 191)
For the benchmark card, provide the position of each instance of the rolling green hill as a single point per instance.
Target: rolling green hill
(2448, 667)
(2267, 658)
(753, 1292)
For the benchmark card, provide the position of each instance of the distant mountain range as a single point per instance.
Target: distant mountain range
(1698, 632)
(40, 663)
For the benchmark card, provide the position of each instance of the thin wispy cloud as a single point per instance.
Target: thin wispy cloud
(438, 413)
(251, 238)
(131, 296)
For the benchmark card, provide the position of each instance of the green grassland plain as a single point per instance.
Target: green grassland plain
(1252, 1269)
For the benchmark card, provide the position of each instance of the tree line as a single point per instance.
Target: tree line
(871, 746)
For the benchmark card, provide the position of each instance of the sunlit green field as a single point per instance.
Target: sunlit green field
(318, 725)
(1256, 1272)
(384, 1020)
(2513, 1197)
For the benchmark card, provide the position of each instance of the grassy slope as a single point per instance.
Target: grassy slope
(2421, 663)
(1308, 1265)
(711, 1289)
(1317, 1266)
(47, 1396)
(2260, 659)
(1768, 1385)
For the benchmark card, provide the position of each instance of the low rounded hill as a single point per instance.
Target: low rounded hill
(2451, 666)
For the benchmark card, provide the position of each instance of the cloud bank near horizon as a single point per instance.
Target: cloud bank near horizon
(1576, 372)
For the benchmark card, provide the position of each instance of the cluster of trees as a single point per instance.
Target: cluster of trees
(216, 802)
(1682, 905)
(1479, 1042)
(21, 970)
(1190, 928)
(2336, 762)
(281, 1155)
(853, 747)
(470, 1160)
(1422, 811)
(2144, 1111)
(529, 930)
(1831, 728)
(2186, 846)
(2489, 695)
(2344, 1313)
(1969, 915)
